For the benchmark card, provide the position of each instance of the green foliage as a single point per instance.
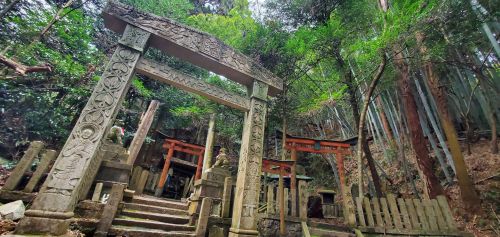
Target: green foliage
(175, 9)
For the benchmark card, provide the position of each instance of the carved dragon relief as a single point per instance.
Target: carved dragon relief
(194, 40)
(178, 79)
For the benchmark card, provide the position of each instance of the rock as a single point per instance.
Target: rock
(12, 210)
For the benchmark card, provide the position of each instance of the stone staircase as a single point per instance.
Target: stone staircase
(329, 230)
(150, 216)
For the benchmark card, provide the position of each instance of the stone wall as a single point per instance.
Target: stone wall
(270, 227)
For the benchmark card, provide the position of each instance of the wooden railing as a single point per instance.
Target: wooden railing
(405, 216)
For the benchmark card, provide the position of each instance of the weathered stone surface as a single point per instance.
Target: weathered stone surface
(24, 164)
(12, 211)
(216, 231)
(89, 209)
(97, 192)
(270, 199)
(249, 168)
(216, 174)
(47, 158)
(166, 74)
(113, 152)
(192, 45)
(202, 225)
(142, 182)
(78, 162)
(109, 212)
(303, 197)
(7, 196)
(112, 171)
(269, 227)
(136, 175)
(226, 197)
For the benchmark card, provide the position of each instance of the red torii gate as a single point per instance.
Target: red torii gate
(282, 168)
(339, 148)
(175, 145)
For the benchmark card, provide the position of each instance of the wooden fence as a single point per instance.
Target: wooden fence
(406, 216)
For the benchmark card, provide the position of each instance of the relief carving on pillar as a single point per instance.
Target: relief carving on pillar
(167, 30)
(135, 38)
(178, 79)
(83, 141)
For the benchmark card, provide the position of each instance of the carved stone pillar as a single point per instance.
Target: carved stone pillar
(250, 164)
(77, 163)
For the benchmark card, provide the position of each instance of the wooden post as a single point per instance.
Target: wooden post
(24, 164)
(348, 206)
(142, 131)
(166, 166)
(282, 203)
(42, 167)
(199, 166)
(209, 145)
(293, 182)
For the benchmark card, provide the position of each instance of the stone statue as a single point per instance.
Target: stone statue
(116, 133)
(221, 159)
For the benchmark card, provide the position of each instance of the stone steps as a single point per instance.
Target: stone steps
(155, 209)
(322, 229)
(173, 219)
(329, 233)
(149, 216)
(144, 232)
(150, 224)
(159, 202)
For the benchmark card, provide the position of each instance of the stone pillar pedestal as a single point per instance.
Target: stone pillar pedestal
(210, 185)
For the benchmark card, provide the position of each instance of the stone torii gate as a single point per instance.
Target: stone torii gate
(77, 164)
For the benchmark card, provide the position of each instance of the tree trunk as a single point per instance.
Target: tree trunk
(8, 8)
(348, 79)
(361, 124)
(468, 193)
(57, 17)
(384, 120)
(432, 186)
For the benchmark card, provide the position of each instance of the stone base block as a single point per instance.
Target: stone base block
(113, 171)
(42, 225)
(8, 196)
(216, 174)
(270, 226)
(242, 233)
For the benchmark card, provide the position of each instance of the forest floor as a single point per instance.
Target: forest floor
(484, 169)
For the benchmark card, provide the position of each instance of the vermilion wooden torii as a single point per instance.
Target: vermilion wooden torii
(282, 168)
(175, 145)
(339, 148)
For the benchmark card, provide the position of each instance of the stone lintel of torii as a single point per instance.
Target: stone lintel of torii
(76, 165)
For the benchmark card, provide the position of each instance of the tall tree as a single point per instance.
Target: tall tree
(468, 193)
